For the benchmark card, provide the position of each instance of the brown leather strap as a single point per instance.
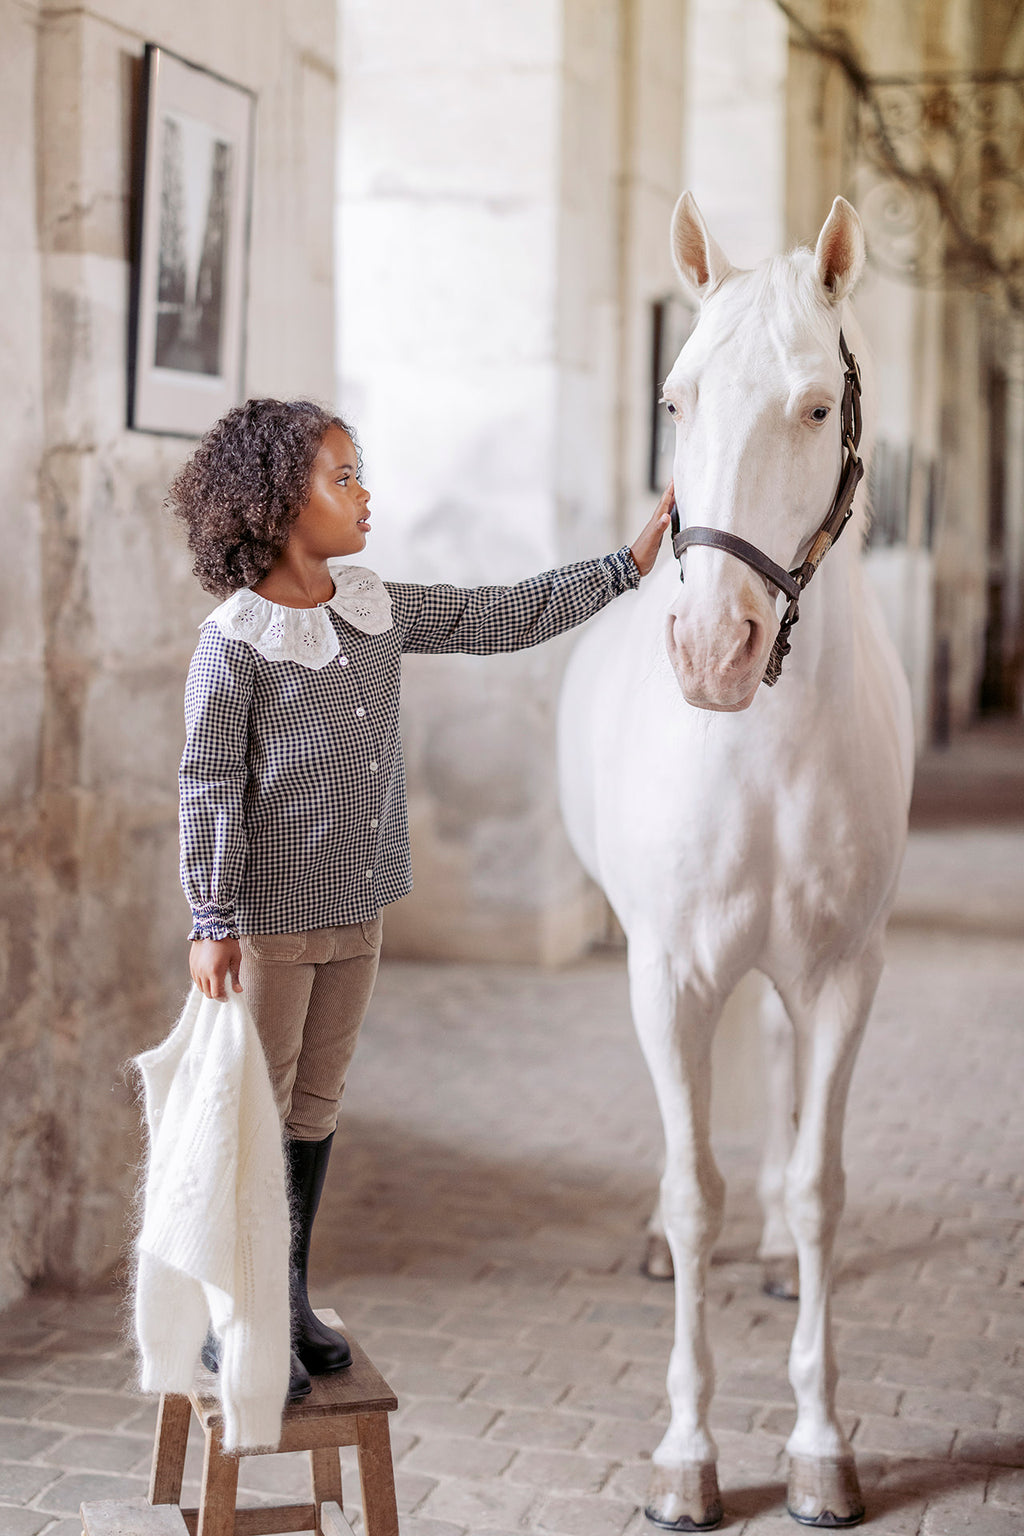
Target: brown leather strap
(717, 538)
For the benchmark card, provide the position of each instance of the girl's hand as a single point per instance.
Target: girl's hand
(644, 549)
(210, 961)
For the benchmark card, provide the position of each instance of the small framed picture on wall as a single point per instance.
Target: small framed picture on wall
(190, 269)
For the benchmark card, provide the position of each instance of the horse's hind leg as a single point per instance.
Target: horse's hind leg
(675, 1035)
(823, 1488)
(657, 1261)
(778, 1250)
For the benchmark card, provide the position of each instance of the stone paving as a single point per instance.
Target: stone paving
(484, 1222)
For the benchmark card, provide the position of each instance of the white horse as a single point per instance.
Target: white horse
(738, 828)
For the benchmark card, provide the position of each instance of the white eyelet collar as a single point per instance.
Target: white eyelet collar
(306, 635)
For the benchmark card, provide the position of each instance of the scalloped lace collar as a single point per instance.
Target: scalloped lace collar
(306, 635)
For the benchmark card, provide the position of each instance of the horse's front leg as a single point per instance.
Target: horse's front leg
(675, 1031)
(777, 1251)
(823, 1488)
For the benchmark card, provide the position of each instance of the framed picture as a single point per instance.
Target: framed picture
(672, 320)
(189, 275)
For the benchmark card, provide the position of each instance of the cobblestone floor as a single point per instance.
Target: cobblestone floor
(483, 1227)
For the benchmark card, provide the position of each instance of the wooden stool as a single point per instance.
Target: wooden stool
(347, 1407)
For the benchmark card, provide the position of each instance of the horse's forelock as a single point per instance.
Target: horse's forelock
(782, 295)
(790, 287)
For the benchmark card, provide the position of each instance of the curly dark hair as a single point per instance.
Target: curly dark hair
(244, 486)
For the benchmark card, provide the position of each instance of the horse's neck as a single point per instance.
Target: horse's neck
(830, 629)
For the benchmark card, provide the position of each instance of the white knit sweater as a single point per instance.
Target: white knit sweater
(215, 1232)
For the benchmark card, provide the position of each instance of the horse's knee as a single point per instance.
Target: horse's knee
(692, 1211)
(814, 1203)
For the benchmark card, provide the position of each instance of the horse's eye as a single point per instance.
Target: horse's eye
(669, 407)
(820, 413)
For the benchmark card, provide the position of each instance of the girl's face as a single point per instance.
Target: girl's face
(335, 519)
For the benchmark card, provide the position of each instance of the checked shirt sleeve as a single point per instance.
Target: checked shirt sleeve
(483, 620)
(212, 781)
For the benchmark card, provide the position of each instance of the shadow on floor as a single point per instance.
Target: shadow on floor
(398, 1201)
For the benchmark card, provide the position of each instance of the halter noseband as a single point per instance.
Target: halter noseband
(792, 583)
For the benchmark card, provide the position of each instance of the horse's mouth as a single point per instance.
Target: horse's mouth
(719, 707)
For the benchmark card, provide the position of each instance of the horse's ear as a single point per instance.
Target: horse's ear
(699, 259)
(839, 255)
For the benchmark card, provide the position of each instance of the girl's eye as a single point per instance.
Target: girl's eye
(820, 413)
(344, 480)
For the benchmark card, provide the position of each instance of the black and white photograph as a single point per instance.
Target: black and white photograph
(188, 332)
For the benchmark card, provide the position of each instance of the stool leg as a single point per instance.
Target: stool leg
(219, 1490)
(377, 1475)
(325, 1466)
(169, 1449)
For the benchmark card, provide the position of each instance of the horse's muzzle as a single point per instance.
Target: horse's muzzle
(720, 665)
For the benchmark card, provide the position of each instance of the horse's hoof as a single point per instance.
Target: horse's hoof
(684, 1498)
(823, 1491)
(657, 1264)
(781, 1278)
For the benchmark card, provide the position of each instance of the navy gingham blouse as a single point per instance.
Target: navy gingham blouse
(293, 806)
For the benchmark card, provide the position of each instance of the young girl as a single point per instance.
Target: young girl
(294, 830)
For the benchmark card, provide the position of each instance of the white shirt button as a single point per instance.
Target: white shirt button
(342, 661)
(360, 713)
(374, 822)
(369, 874)
(374, 767)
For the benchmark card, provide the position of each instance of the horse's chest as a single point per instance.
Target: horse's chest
(749, 838)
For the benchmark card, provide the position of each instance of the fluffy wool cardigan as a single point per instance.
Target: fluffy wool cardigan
(213, 1246)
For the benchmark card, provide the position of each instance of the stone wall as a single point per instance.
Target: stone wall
(99, 606)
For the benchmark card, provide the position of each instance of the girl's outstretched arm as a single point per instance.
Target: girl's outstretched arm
(484, 620)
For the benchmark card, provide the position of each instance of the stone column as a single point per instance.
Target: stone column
(24, 1066)
(481, 246)
(736, 124)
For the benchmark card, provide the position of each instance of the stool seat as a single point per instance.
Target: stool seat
(359, 1388)
(347, 1407)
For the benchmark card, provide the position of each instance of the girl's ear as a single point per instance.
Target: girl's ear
(698, 258)
(839, 256)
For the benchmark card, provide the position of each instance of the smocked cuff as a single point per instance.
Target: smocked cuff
(623, 569)
(214, 923)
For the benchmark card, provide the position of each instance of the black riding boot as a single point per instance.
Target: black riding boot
(299, 1384)
(319, 1348)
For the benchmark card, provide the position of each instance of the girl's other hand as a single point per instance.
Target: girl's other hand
(644, 548)
(210, 961)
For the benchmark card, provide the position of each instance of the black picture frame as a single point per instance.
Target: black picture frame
(189, 290)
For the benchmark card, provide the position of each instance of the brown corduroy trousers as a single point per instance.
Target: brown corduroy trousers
(308, 994)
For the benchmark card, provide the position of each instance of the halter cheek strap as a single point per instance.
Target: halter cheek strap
(792, 583)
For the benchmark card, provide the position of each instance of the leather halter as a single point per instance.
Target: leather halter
(792, 583)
